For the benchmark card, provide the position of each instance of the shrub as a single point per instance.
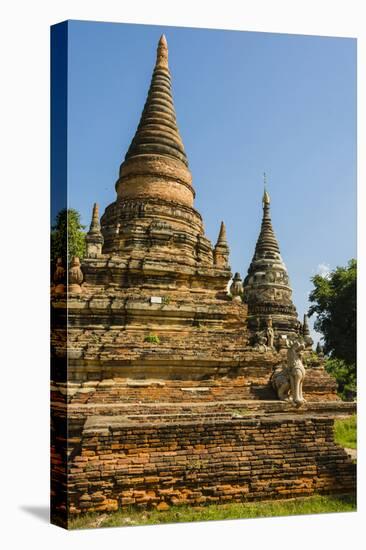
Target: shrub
(345, 376)
(345, 432)
(152, 339)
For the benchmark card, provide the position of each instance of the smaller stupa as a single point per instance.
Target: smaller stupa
(267, 289)
(221, 251)
(306, 332)
(94, 238)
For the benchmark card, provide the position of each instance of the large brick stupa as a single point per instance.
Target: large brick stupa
(147, 342)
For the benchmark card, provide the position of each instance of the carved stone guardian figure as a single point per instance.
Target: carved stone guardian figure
(75, 276)
(288, 380)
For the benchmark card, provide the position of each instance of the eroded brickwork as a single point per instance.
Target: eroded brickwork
(204, 462)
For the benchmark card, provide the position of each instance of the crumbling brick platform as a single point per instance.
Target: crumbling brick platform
(205, 460)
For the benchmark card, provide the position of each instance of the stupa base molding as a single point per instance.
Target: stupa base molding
(154, 441)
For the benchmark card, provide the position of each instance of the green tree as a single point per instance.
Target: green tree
(67, 236)
(334, 302)
(345, 376)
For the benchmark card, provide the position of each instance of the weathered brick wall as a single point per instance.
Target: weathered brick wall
(254, 384)
(197, 462)
(162, 188)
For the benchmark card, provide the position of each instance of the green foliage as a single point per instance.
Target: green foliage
(311, 358)
(152, 339)
(67, 236)
(334, 303)
(176, 514)
(345, 376)
(345, 432)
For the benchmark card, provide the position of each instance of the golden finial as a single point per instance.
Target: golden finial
(266, 198)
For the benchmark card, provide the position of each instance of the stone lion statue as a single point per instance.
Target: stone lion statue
(288, 380)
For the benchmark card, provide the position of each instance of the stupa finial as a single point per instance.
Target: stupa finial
(267, 240)
(306, 332)
(162, 53)
(221, 239)
(163, 41)
(94, 238)
(266, 198)
(157, 132)
(221, 250)
(95, 225)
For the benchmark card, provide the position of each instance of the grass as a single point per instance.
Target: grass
(310, 505)
(345, 432)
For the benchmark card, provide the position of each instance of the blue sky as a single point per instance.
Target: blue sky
(246, 103)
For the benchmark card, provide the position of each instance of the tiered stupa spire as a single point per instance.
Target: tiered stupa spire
(266, 288)
(156, 164)
(154, 234)
(157, 132)
(267, 241)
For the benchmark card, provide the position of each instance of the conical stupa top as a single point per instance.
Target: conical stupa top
(221, 239)
(305, 326)
(95, 225)
(157, 132)
(267, 289)
(162, 53)
(267, 241)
